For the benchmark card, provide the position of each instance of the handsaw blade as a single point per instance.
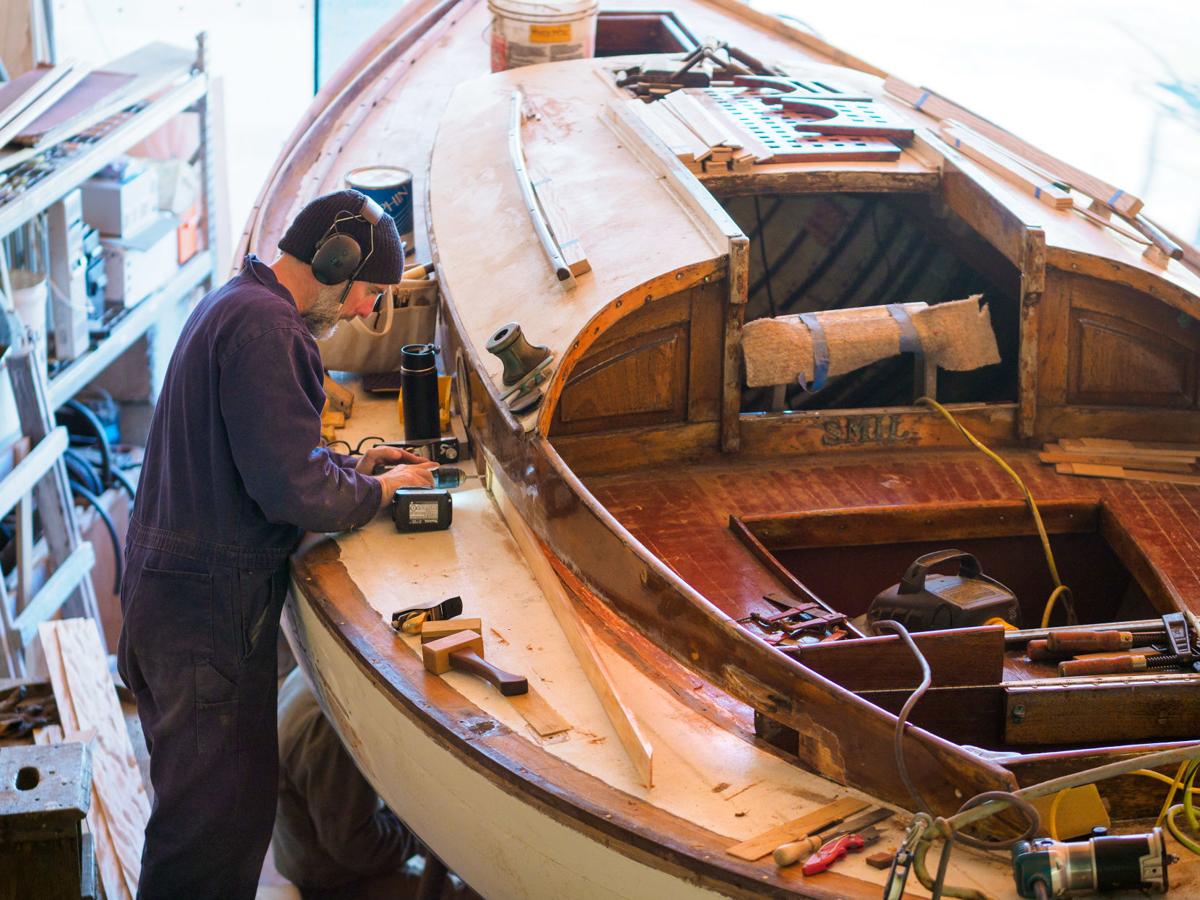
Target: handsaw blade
(858, 823)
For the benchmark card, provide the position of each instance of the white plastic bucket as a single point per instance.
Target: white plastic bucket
(525, 33)
(30, 300)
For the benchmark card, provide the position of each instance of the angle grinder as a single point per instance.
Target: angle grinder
(923, 602)
(1047, 868)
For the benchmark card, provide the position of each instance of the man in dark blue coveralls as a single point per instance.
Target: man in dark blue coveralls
(233, 475)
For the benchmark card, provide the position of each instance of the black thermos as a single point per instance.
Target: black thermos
(418, 387)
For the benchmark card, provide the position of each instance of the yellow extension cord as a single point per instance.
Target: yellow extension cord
(1060, 589)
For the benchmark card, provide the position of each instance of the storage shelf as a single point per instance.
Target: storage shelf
(79, 168)
(75, 377)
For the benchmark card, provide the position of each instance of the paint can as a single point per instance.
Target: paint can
(391, 187)
(525, 32)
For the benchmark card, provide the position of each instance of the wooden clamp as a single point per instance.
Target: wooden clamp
(464, 651)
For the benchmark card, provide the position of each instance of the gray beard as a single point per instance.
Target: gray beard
(321, 317)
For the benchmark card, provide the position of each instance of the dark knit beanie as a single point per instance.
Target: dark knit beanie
(385, 265)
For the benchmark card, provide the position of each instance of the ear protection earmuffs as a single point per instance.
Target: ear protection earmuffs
(338, 256)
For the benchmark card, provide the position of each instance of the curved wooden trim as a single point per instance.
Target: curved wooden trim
(666, 285)
(1074, 262)
(356, 76)
(626, 824)
(672, 615)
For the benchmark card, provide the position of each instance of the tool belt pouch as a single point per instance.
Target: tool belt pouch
(372, 344)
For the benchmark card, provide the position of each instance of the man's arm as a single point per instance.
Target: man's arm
(271, 402)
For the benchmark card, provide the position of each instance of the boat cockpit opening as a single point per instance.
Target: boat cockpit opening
(813, 253)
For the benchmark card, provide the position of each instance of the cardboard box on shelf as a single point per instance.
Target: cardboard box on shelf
(121, 207)
(139, 265)
(189, 233)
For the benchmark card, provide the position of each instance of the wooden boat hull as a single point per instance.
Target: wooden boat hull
(501, 842)
(518, 819)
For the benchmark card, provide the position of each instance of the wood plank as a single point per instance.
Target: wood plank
(566, 235)
(32, 467)
(760, 845)
(112, 875)
(1147, 448)
(965, 656)
(68, 77)
(1104, 459)
(1119, 472)
(540, 715)
(55, 591)
(939, 107)
(1148, 708)
(582, 642)
(976, 147)
(122, 794)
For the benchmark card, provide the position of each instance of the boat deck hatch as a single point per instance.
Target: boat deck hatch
(846, 557)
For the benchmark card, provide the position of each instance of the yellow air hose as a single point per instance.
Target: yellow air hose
(1060, 589)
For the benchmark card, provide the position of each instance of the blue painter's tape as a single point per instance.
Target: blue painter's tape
(921, 100)
(910, 338)
(820, 352)
(1113, 199)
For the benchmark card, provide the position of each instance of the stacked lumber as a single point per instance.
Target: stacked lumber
(27, 97)
(701, 140)
(1129, 460)
(90, 712)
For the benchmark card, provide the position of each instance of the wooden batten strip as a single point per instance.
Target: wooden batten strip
(940, 108)
(540, 715)
(1119, 472)
(1107, 459)
(639, 750)
(977, 148)
(566, 236)
(1148, 448)
(762, 844)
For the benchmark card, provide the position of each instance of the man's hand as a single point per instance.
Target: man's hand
(416, 475)
(390, 456)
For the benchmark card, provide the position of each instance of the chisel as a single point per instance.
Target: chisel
(791, 853)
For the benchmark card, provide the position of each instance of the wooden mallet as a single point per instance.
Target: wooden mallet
(464, 651)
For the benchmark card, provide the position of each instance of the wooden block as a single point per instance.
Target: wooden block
(881, 860)
(464, 651)
(540, 715)
(760, 845)
(436, 654)
(432, 631)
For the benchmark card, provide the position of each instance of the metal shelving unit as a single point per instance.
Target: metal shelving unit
(40, 479)
(189, 94)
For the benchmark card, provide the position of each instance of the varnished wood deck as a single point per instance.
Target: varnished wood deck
(681, 513)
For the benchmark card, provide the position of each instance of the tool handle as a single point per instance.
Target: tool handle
(790, 854)
(1103, 665)
(831, 853)
(1069, 643)
(506, 683)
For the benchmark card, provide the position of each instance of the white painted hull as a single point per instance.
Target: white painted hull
(502, 844)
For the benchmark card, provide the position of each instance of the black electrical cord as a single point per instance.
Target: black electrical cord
(79, 469)
(118, 561)
(93, 423)
(123, 480)
(902, 718)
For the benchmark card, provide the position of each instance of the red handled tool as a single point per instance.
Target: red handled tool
(834, 850)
